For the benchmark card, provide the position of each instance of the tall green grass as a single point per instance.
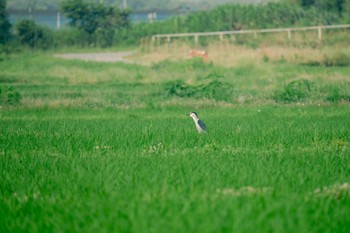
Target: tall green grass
(93, 147)
(149, 171)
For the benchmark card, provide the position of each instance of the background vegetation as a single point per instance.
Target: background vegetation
(134, 4)
(4, 23)
(97, 25)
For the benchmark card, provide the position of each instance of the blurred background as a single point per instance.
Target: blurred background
(106, 23)
(48, 13)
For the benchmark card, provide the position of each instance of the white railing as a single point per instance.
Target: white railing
(255, 32)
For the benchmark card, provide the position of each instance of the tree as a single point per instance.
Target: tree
(307, 3)
(5, 25)
(30, 34)
(346, 10)
(325, 5)
(97, 20)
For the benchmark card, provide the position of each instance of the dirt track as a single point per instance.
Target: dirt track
(102, 57)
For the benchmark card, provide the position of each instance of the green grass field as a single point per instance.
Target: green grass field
(95, 147)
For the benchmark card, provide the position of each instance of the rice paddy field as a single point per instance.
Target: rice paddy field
(107, 147)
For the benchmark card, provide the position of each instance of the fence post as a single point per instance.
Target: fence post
(289, 34)
(58, 20)
(153, 40)
(196, 39)
(319, 33)
(158, 43)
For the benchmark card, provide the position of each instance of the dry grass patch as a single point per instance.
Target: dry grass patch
(227, 54)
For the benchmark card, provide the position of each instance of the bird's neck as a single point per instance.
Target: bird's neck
(195, 118)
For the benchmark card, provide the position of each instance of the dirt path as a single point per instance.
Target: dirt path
(101, 57)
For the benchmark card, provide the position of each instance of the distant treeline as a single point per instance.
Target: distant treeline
(138, 5)
(103, 26)
(241, 17)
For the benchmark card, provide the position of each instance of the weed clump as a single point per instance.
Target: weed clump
(9, 96)
(294, 91)
(336, 96)
(337, 59)
(215, 90)
(178, 88)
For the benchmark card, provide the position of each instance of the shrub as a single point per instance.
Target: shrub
(294, 91)
(70, 37)
(179, 88)
(9, 48)
(336, 96)
(215, 90)
(9, 96)
(5, 25)
(30, 34)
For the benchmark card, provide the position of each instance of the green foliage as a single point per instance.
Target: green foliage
(179, 88)
(71, 38)
(5, 25)
(214, 90)
(242, 17)
(336, 95)
(9, 48)
(139, 5)
(295, 91)
(329, 5)
(103, 25)
(97, 20)
(217, 90)
(30, 34)
(9, 96)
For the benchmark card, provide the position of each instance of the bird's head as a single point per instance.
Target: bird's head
(193, 114)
